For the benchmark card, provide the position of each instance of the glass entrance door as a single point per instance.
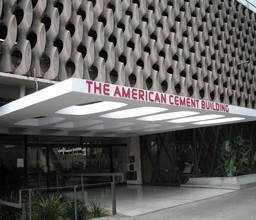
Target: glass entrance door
(73, 161)
(45, 163)
(83, 159)
(37, 167)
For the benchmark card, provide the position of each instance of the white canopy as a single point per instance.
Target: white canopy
(78, 107)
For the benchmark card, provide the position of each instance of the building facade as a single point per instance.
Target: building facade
(199, 50)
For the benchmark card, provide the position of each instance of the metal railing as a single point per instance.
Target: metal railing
(21, 205)
(83, 175)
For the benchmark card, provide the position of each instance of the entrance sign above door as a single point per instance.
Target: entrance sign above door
(99, 88)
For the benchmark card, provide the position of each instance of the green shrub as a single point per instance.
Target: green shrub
(9, 214)
(10, 197)
(48, 207)
(52, 207)
(96, 208)
(235, 158)
(69, 210)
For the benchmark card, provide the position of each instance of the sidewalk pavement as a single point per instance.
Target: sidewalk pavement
(137, 200)
(236, 205)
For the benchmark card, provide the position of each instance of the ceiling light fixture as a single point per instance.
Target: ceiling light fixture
(97, 107)
(196, 118)
(166, 116)
(218, 121)
(135, 112)
(40, 121)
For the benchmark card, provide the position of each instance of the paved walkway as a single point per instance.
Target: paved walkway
(156, 202)
(234, 206)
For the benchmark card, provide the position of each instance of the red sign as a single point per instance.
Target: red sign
(99, 88)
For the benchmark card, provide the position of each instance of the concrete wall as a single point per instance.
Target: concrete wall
(237, 182)
(133, 150)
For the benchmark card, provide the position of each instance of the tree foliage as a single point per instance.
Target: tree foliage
(235, 158)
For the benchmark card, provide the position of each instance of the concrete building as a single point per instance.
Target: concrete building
(123, 86)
